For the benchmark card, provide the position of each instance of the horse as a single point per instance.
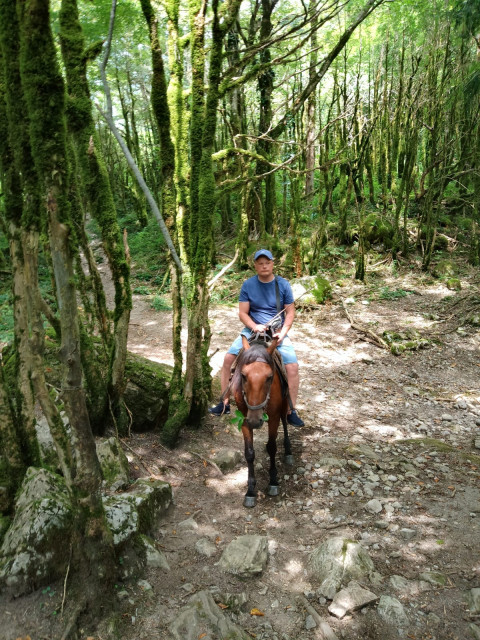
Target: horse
(257, 388)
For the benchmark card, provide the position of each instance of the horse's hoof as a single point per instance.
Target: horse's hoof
(289, 459)
(249, 501)
(273, 490)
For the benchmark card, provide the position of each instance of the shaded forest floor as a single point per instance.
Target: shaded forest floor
(412, 420)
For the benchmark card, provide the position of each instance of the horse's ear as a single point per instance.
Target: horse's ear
(272, 346)
(245, 343)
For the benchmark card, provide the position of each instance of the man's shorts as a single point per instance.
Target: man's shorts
(285, 349)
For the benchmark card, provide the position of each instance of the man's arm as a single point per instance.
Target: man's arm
(289, 317)
(243, 311)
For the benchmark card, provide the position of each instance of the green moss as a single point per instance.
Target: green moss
(322, 290)
(442, 447)
(454, 284)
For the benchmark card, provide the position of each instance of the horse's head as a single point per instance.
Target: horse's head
(255, 376)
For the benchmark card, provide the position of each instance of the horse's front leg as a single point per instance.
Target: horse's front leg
(250, 499)
(286, 443)
(272, 489)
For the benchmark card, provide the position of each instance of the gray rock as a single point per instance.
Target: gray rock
(330, 463)
(203, 618)
(137, 511)
(310, 623)
(473, 600)
(351, 599)
(245, 556)
(114, 464)
(154, 557)
(30, 552)
(144, 585)
(433, 577)
(339, 560)
(446, 417)
(392, 611)
(373, 506)
(187, 525)
(407, 534)
(206, 547)
(408, 587)
(227, 459)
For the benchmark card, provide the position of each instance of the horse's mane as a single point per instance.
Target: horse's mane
(257, 353)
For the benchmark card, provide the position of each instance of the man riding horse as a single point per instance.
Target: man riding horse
(263, 298)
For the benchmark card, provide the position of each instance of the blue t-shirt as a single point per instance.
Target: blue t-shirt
(262, 298)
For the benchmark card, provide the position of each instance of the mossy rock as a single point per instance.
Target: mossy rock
(474, 320)
(444, 269)
(147, 392)
(5, 522)
(409, 340)
(454, 284)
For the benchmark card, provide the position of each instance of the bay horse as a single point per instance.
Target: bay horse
(257, 388)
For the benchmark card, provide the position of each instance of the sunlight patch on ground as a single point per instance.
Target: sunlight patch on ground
(382, 430)
(223, 486)
(294, 568)
(151, 323)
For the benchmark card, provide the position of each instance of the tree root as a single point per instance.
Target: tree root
(370, 335)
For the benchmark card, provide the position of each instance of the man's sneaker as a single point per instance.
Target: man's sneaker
(294, 419)
(220, 409)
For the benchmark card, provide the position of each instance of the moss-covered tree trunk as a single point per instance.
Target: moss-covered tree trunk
(21, 202)
(96, 186)
(178, 405)
(92, 549)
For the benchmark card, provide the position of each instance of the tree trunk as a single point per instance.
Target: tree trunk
(44, 93)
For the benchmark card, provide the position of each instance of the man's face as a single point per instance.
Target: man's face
(264, 267)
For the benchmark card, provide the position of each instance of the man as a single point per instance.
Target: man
(257, 306)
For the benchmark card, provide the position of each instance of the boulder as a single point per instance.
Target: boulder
(338, 561)
(138, 510)
(114, 464)
(34, 549)
(202, 618)
(245, 556)
(392, 611)
(147, 391)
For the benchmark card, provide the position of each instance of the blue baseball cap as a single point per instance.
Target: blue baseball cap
(263, 252)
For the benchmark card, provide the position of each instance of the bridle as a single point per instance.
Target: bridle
(262, 404)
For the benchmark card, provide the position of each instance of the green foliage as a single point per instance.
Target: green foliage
(322, 290)
(160, 303)
(238, 419)
(6, 317)
(142, 291)
(392, 294)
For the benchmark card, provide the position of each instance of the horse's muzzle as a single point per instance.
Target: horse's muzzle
(255, 423)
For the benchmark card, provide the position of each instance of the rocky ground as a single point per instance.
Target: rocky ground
(389, 458)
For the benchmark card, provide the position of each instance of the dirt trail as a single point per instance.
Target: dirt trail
(398, 429)
(408, 424)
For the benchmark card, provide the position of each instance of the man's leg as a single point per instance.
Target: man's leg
(224, 405)
(225, 372)
(293, 381)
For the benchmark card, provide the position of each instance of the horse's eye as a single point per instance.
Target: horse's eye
(244, 377)
(270, 378)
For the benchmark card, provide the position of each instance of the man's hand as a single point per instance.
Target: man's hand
(259, 328)
(280, 335)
